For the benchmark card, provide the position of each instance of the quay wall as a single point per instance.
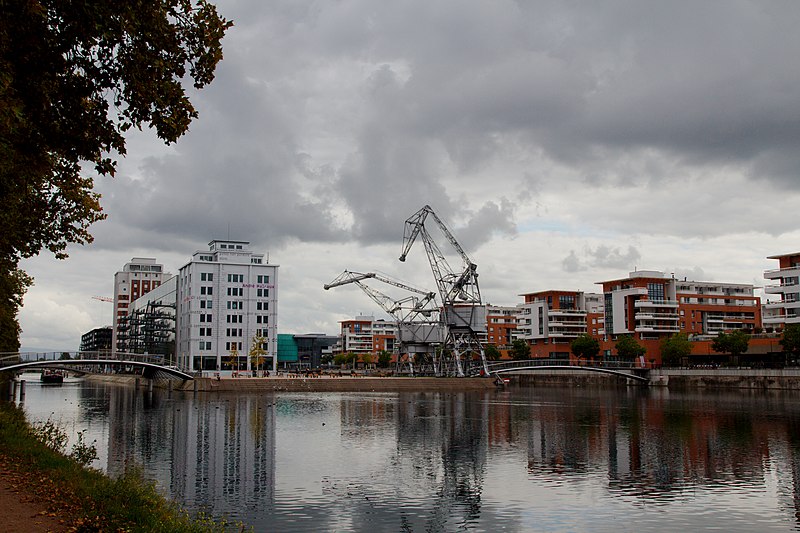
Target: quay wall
(677, 379)
(729, 378)
(304, 384)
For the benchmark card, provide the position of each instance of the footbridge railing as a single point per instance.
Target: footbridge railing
(622, 369)
(150, 364)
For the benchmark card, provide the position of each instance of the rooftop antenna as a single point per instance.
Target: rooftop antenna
(229, 231)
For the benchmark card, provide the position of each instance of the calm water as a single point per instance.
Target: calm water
(523, 459)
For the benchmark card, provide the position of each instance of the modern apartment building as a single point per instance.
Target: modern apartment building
(784, 308)
(149, 325)
(226, 297)
(136, 279)
(553, 319)
(501, 325)
(97, 340)
(643, 305)
(710, 308)
(364, 335)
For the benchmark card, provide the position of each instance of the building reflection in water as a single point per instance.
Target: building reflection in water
(444, 461)
(216, 454)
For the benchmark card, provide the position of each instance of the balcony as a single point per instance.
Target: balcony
(648, 315)
(566, 313)
(656, 303)
(658, 329)
(782, 272)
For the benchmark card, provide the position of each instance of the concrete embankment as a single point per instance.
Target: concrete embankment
(307, 384)
(727, 378)
(676, 379)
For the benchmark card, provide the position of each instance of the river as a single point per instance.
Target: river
(521, 459)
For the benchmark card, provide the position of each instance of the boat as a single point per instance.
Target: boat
(52, 376)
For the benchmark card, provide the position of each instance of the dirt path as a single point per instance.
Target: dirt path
(21, 511)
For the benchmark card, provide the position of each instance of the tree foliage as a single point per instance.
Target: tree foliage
(734, 343)
(74, 77)
(629, 348)
(257, 352)
(384, 358)
(13, 284)
(585, 346)
(491, 352)
(675, 348)
(790, 339)
(520, 350)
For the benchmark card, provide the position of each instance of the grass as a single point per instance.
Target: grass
(86, 498)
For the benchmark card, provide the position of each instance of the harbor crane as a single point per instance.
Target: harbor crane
(463, 314)
(417, 315)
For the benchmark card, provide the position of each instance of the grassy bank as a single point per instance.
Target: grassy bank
(87, 499)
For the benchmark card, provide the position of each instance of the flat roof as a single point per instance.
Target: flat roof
(782, 255)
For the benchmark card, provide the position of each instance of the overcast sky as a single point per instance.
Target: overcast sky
(564, 143)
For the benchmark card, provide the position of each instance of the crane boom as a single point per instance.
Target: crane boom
(463, 314)
(401, 309)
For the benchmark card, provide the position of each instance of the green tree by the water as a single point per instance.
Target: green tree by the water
(675, 348)
(74, 77)
(734, 343)
(585, 347)
(790, 340)
(629, 349)
(491, 352)
(520, 350)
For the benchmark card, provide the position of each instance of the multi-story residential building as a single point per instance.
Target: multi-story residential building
(553, 319)
(786, 287)
(226, 297)
(710, 308)
(643, 305)
(501, 323)
(149, 326)
(97, 340)
(136, 279)
(650, 305)
(364, 335)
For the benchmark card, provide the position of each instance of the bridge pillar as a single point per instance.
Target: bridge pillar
(150, 386)
(21, 390)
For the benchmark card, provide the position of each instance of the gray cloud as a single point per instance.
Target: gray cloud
(544, 123)
(602, 257)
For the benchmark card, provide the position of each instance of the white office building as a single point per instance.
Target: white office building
(227, 297)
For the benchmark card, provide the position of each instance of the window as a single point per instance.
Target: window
(235, 291)
(255, 260)
(655, 291)
(235, 278)
(263, 293)
(262, 306)
(263, 279)
(261, 319)
(205, 317)
(235, 305)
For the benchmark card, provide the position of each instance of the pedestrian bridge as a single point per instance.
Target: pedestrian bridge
(620, 369)
(152, 366)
